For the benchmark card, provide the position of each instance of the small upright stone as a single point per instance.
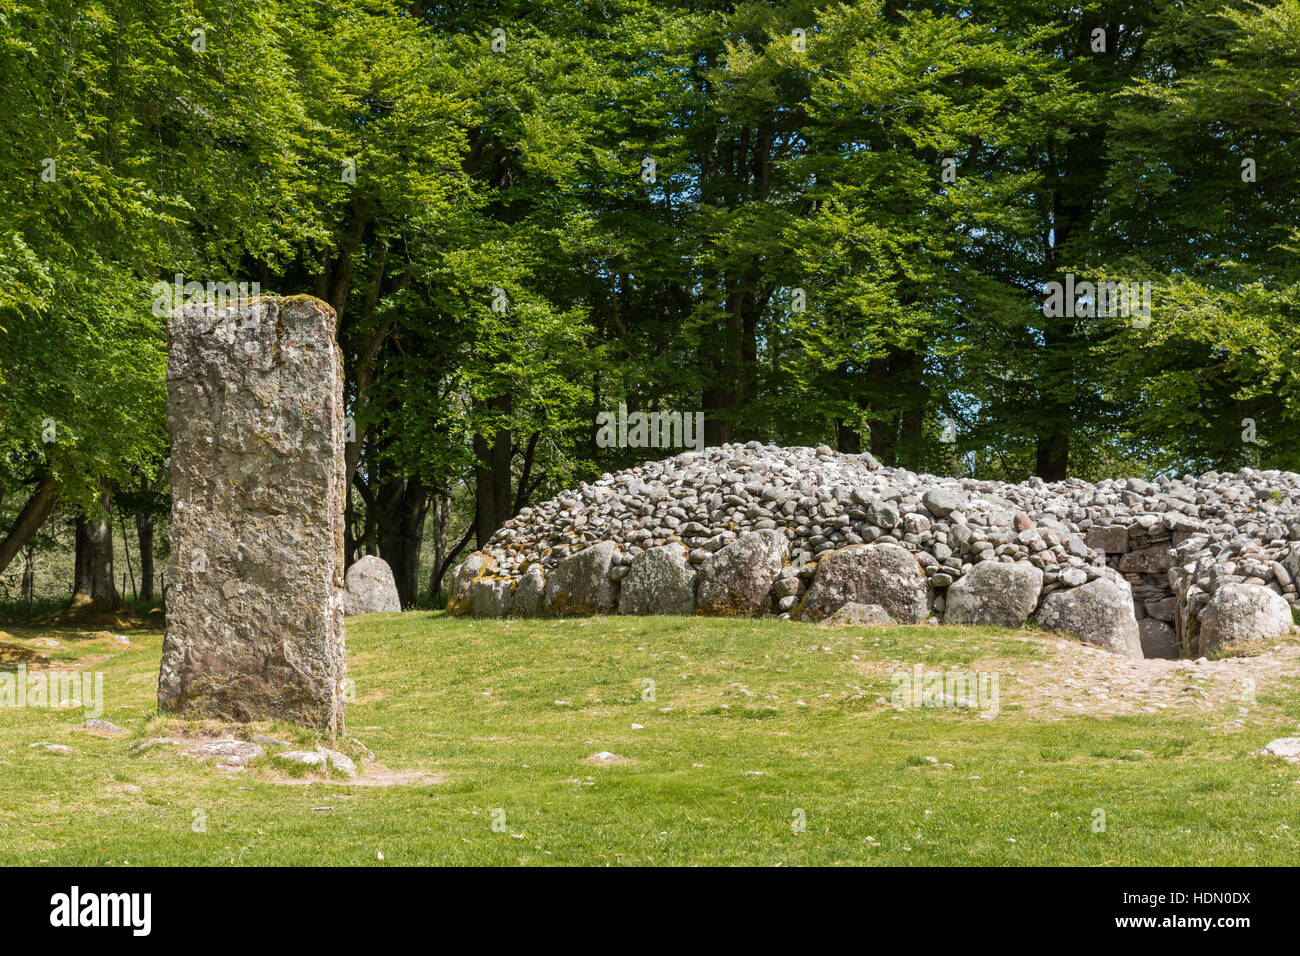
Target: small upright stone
(1239, 615)
(370, 587)
(1100, 612)
(255, 603)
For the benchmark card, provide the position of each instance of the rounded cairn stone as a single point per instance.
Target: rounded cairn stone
(1243, 614)
(659, 581)
(1100, 612)
(735, 582)
(529, 590)
(883, 574)
(580, 585)
(995, 592)
(941, 502)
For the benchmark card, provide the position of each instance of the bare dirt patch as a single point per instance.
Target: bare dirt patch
(371, 775)
(17, 654)
(1076, 679)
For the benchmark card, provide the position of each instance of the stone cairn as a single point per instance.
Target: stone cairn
(1176, 567)
(255, 607)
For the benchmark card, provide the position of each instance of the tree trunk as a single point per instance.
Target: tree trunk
(403, 506)
(1052, 459)
(911, 370)
(29, 520)
(440, 569)
(94, 588)
(492, 500)
(29, 577)
(144, 532)
(847, 439)
(884, 419)
(441, 528)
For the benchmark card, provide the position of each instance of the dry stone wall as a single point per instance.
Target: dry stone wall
(799, 532)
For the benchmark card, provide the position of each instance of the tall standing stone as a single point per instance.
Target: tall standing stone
(255, 606)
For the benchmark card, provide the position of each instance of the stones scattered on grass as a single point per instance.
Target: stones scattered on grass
(367, 755)
(1286, 747)
(605, 756)
(339, 761)
(226, 751)
(321, 758)
(858, 615)
(52, 748)
(307, 758)
(103, 728)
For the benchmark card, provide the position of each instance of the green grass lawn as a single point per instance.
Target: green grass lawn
(753, 726)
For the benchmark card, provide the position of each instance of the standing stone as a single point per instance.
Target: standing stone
(255, 603)
(370, 587)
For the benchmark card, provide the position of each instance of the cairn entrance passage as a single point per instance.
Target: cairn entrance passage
(1175, 567)
(255, 608)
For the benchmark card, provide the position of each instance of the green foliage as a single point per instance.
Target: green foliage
(845, 238)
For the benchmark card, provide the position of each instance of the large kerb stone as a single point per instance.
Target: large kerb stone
(255, 603)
